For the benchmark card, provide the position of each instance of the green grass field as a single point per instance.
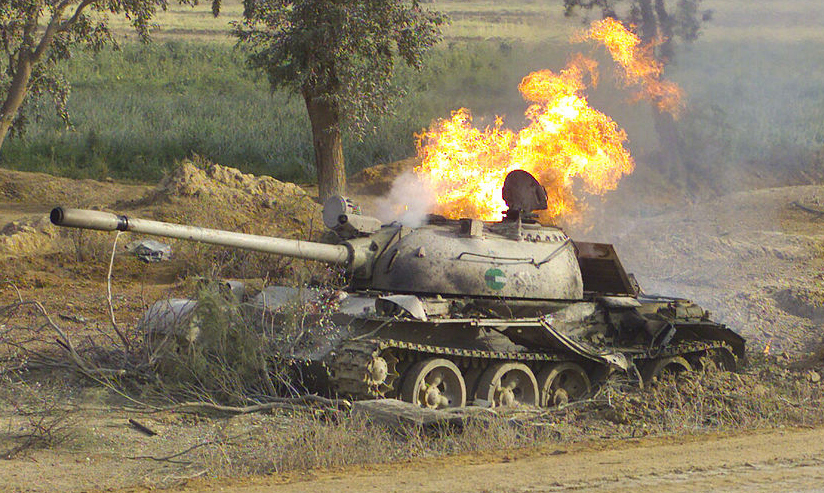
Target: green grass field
(754, 83)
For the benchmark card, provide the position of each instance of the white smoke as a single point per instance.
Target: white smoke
(408, 201)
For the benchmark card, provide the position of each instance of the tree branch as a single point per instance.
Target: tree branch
(63, 339)
(55, 26)
(276, 403)
(48, 35)
(77, 13)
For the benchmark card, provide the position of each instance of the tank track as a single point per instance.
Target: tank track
(348, 365)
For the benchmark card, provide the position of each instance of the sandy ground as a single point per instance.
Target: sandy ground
(776, 460)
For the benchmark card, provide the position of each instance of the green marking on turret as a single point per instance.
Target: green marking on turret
(495, 279)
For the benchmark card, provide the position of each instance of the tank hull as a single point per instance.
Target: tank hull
(365, 348)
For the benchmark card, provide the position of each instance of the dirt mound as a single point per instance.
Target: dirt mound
(205, 194)
(195, 192)
(22, 187)
(802, 302)
(26, 199)
(28, 237)
(377, 180)
(228, 186)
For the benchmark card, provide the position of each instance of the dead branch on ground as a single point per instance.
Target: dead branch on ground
(13, 286)
(291, 403)
(804, 208)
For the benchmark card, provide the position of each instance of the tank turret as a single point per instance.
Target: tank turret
(515, 259)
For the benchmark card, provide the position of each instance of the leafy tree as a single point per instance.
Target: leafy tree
(36, 34)
(660, 23)
(339, 56)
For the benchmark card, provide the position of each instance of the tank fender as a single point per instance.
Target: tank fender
(401, 304)
(276, 297)
(546, 336)
(273, 298)
(713, 331)
(619, 301)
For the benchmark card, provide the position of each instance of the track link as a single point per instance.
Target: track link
(348, 365)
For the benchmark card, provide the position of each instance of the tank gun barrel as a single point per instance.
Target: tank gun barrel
(106, 221)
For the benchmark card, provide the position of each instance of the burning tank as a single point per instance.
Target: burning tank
(456, 311)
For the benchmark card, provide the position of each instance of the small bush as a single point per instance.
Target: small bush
(216, 355)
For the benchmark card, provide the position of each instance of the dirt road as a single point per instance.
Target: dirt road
(775, 460)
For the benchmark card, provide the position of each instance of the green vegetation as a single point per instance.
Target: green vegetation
(340, 56)
(750, 100)
(138, 110)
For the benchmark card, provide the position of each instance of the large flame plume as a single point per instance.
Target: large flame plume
(566, 141)
(638, 64)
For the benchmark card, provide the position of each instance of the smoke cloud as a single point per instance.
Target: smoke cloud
(408, 201)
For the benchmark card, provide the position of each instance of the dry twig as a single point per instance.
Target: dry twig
(16, 290)
(122, 337)
(274, 403)
(170, 458)
(804, 208)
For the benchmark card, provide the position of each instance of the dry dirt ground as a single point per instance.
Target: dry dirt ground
(756, 259)
(777, 460)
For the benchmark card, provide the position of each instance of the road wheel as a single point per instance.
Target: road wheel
(435, 383)
(561, 383)
(508, 384)
(656, 369)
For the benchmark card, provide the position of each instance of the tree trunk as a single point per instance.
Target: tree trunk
(28, 56)
(671, 143)
(669, 139)
(326, 138)
(17, 93)
(666, 28)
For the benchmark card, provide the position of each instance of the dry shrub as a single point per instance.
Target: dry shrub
(306, 441)
(37, 416)
(228, 360)
(762, 395)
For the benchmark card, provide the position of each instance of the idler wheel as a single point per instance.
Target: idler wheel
(561, 383)
(658, 368)
(508, 384)
(434, 383)
(718, 359)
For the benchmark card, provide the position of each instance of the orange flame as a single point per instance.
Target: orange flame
(566, 141)
(565, 138)
(639, 65)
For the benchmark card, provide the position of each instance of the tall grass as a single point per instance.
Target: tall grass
(769, 95)
(137, 110)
